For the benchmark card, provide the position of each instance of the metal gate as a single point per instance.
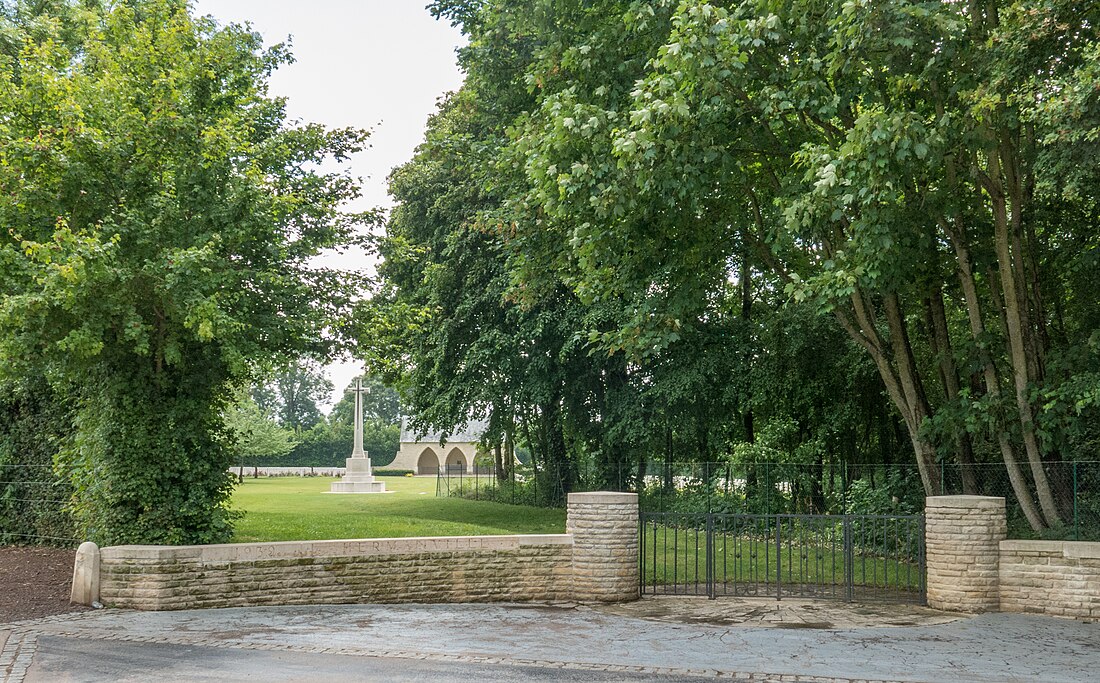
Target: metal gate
(860, 558)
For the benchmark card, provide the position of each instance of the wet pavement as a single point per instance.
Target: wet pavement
(660, 639)
(786, 613)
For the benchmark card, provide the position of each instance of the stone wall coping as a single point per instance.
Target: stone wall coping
(1081, 550)
(1031, 546)
(603, 498)
(965, 502)
(278, 550)
(1078, 550)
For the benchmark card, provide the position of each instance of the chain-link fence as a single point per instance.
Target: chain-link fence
(802, 489)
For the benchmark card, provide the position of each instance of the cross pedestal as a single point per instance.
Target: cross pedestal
(357, 477)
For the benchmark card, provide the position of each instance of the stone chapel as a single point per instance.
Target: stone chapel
(423, 454)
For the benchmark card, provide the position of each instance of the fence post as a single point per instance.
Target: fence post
(778, 560)
(1076, 534)
(711, 593)
(849, 560)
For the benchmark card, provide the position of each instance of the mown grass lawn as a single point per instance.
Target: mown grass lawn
(301, 509)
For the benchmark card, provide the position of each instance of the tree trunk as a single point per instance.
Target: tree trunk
(969, 288)
(1023, 364)
(533, 447)
(949, 375)
(746, 315)
(509, 452)
(558, 468)
(913, 389)
(867, 336)
(905, 394)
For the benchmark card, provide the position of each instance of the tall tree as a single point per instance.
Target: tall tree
(163, 216)
(832, 139)
(909, 169)
(292, 395)
(486, 306)
(255, 435)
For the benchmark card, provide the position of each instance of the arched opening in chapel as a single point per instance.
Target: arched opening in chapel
(456, 462)
(428, 462)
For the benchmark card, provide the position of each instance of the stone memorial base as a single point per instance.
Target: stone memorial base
(358, 479)
(358, 487)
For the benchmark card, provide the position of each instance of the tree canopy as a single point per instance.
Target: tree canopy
(255, 435)
(821, 232)
(293, 393)
(160, 217)
(678, 226)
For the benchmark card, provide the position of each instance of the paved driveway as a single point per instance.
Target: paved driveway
(498, 643)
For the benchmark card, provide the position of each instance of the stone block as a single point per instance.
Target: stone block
(86, 575)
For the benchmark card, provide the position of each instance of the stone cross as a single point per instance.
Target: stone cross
(357, 477)
(357, 445)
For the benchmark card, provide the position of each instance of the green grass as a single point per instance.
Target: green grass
(301, 509)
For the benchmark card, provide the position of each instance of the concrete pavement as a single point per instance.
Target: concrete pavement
(501, 642)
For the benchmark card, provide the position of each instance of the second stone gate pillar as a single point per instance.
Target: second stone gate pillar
(963, 536)
(604, 526)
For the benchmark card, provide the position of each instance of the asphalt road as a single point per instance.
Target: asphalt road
(142, 662)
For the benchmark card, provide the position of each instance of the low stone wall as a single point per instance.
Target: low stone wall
(597, 561)
(972, 567)
(390, 570)
(1061, 578)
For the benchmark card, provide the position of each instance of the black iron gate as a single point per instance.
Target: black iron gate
(862, 558)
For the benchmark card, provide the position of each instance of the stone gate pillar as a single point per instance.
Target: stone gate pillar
(963, 535)
(604, 526)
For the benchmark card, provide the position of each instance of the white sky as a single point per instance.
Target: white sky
(377, 64)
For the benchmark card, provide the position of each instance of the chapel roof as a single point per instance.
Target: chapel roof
(469, 433)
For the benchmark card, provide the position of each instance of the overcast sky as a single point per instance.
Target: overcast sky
(377, 64)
